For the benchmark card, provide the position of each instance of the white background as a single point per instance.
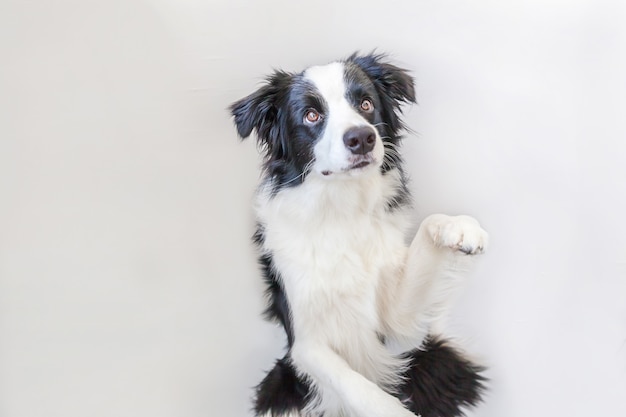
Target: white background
(128, 286)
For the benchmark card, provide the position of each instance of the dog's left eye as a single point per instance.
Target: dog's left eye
(312, 116)
(367, 105)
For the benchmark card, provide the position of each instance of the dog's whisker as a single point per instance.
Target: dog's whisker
(305, 171)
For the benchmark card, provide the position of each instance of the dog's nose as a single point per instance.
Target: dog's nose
(360, 140)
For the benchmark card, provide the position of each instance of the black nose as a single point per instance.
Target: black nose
(360, 140)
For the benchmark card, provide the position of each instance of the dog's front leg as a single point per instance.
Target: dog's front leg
(440, 253)
(342, 390)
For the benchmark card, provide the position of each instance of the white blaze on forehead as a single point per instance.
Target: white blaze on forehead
(328, 79)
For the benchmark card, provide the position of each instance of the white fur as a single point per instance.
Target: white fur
(348, 273)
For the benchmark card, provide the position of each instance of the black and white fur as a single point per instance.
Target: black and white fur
(333, 210)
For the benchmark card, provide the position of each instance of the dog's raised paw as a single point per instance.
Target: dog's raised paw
(459, 233)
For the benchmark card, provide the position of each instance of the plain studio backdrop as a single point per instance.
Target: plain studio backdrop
(128, 284)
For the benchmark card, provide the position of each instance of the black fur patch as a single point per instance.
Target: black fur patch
(277, 304)
(276, 112)
(440, 381)
(282, 390)
(402, 197)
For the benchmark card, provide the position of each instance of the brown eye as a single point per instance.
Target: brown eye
(367, 105)
(312, 116)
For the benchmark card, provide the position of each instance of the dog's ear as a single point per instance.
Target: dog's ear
(259, 110)
(390, 80)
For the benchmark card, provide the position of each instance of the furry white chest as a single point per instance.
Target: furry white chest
(334, 244)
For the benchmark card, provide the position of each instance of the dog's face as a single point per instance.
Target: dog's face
(335, 120)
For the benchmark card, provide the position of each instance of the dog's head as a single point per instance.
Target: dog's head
(335, 120)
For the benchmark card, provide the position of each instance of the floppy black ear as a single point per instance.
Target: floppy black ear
(259, 110)
(390, 80)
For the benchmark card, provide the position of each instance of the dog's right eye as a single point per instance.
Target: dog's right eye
(312, 116)
(367, 105)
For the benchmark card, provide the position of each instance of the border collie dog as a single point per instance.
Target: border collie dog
(360, 303)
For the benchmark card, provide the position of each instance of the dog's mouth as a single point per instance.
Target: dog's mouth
(356, 164)
(359, 162)
(359, 165)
